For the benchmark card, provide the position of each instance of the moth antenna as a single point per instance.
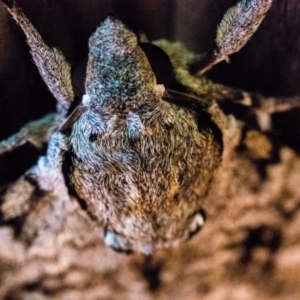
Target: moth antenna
(236, 28)
(179, 98)
(52, 65)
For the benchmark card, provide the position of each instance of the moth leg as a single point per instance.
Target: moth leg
(52, 65)
(36, 133)
(252, 104)
(236, 28)
(45, 178)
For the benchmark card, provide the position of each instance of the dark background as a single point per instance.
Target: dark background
(268, 64)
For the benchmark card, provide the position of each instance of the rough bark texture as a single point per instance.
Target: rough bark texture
(249, 247)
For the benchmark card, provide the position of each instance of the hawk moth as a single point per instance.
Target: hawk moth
(136, 154)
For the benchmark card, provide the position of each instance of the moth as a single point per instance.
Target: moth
(137, 136)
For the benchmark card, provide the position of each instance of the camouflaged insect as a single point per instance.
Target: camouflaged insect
(136, 154)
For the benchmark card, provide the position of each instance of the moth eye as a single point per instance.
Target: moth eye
(159, 62)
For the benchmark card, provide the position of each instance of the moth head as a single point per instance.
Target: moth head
(118, 71)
